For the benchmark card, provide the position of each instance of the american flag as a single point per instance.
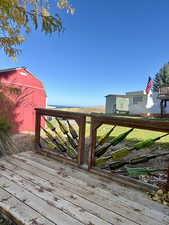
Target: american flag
(149, 85)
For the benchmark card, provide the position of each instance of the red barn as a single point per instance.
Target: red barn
(27, 93)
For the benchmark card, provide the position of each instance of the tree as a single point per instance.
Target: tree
(162, 77)
(19, 17)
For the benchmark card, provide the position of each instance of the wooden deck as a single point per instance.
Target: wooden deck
(37, 190)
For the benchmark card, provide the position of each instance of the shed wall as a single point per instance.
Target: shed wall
(110, 104)
(113, 103)
(141, 107)
(122, 104)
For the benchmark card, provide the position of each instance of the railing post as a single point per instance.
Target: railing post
(37, 130)
(81, 146)
(168, 179)
(93, 136)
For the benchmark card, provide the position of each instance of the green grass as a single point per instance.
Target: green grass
(135, 136)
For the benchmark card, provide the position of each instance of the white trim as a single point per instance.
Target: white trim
(23, 74)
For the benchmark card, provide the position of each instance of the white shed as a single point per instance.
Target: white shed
(117, 104)
(134, 103)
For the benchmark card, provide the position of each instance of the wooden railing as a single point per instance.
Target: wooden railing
(80, 120)
(96, 122)
(163, 93)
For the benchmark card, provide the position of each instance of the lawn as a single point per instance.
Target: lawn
(137, 134)
(134, 136)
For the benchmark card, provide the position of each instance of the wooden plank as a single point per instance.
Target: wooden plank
(80, 120)
(54, 155)
(100, 182)
(98, 190)
(35, 184)
(93, 137)
(43, 207)
(81, 174)
(49, 197)
(89, 178)
(19, 212)
(37, 130)
(120, 179)
(81, 145)
(59, 113)
(155, 125)
(123, 208)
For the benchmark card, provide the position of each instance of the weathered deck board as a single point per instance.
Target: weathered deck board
(21, 212)
(94, 181)
(123, 206)
(61, 194)
(43, 207)
(125, 211)
(49, 207)
(38, 186)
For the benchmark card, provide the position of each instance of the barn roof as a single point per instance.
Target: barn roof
(12, 69)
(7, 75)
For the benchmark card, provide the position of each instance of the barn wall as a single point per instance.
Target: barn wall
(30, 99)
(33, 96)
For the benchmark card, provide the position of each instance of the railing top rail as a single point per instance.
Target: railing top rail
(147, 124)
(61, 113)
(140, 123)
(164, 88)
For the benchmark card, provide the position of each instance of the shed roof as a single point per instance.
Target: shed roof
(114, 95)
(140, 92)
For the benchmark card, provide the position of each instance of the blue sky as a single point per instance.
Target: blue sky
(108, 47)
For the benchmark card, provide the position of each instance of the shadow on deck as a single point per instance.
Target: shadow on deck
(36, 190)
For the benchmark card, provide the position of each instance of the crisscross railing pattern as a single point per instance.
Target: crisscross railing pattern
(65, 133)
(59, 135)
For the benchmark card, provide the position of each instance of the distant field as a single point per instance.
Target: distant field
(98, 109)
